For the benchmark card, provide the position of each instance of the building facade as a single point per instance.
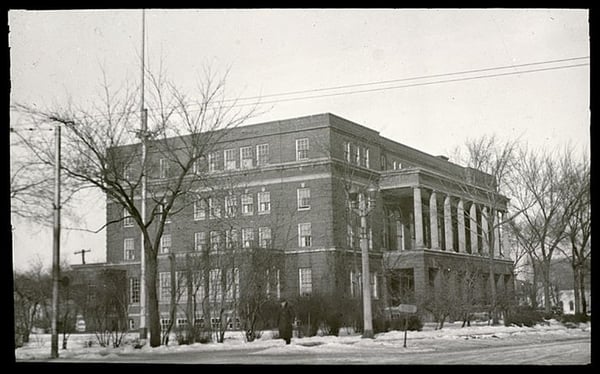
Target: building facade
(279, 198)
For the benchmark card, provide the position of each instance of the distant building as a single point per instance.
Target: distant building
(430, 218)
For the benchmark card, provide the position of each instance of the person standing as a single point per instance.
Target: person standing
(284, 322)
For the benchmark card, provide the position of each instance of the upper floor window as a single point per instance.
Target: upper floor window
(366, 157)
(357, 155)
(164, 280)
(214, 158)
(128, 249)
(127, 219)
(199, 209)
(246, 157)
(304, 235)
(165, 243)
(264, 237)
(264, 202)
(247, 237)
(383, 161)
(374, 286)
(230, 158)
(164, 168)
(214, 208)
(160, 209)
(134, 290)
(305, 281)
(347, 150)
(247, 204)
(199, 241)
(262, 154)
(231, 238)
(215, 241)
(302, 147)
(303, 198)
(230, 205)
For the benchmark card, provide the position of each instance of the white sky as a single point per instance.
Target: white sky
(57, 54)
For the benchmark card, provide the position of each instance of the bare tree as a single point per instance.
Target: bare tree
(100, 150)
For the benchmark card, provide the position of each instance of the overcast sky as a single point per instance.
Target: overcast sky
(60, 54)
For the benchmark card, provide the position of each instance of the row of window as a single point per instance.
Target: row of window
(356, 154)
(231, 287)
(212, 207)
(229, 237)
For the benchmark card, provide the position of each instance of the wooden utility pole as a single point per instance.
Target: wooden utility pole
(56, 246)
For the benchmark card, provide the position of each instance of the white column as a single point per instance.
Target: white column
(460, 215)
(418, 213)
(433, 221)
(504, 245)
(473, 228)
(485, 230)
(448, 223)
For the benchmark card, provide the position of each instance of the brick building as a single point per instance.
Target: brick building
(280, 189)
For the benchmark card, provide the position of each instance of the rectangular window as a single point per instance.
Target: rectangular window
(264, 237)
(164, 324)
(134, 290)
(262, 154)
(199, 241)
(383, 162)
(305, 281)
(160, 209)
(233, 284)
(366, 157)
(128, 246)
(127, 219)
(264, 202)
(350, 236)
(231, 238)
(181, 286)
(215, 241)
(355, 283)
(182, 323)
(370, 239)
(303, 198)
(198, 285)
(374, 287)
(214, 208)
(230, 205)
(302, 147)
(357, 155)
(247, 204)
(165, 243)
(230, 158)
(247, 237)
(164, 280)
(304, 235)
(215, 289)
(347, 147)
(164, 168)
(214, 158)
(246, 157)
(199, 209)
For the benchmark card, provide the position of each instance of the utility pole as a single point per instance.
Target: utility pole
(143, 116)
(83, 252)
(56, 246)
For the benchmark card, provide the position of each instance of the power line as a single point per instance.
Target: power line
(237, 104)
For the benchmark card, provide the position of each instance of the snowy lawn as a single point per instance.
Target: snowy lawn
(452, 336)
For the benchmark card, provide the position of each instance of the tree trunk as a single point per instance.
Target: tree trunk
(582, 290)
(547, 296)
(153, 312)
(576, 289)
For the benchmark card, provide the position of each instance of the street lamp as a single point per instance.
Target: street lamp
(359, 206)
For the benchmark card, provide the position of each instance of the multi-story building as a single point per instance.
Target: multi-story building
(282, 189)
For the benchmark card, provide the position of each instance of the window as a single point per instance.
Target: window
(370, 239)
(383, 162)
(134, 290)
(165, 243)
(164, 168)
(305, 281)
(347, 147)
(264, 202)
(198, 284)
(215, 241)
(304, 235)
(394, 165)
(164, 281)
(350, 236)
(357, 155)
(233, 284)
(374, 287)
(127, 219)
(264, 237)
(181, 285)
(366, 157)
(230, 205)
(302, 149)
(355, 283)
(214, 284)
(231, 238)
(214, 208)
(230, 159)
(160, 209)
(303, 198)
(246, 157)
(199, 241)
(129, 253)
(128, 173)
(131, 324)
(164, 324)
(247, 237)
(247, 204)
(182, 323)
(571, 305)
(214, 158)
(199, 209)
(262, 154)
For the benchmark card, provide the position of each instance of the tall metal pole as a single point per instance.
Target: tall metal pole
(366, 282)
(143, 113)
(56, 246)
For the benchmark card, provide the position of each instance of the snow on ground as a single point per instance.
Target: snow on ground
(429, 339)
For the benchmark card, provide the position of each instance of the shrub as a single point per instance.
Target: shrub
(523, 316)
(383, 324)
(575, 318)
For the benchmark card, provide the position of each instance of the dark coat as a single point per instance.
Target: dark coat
(284, 322)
